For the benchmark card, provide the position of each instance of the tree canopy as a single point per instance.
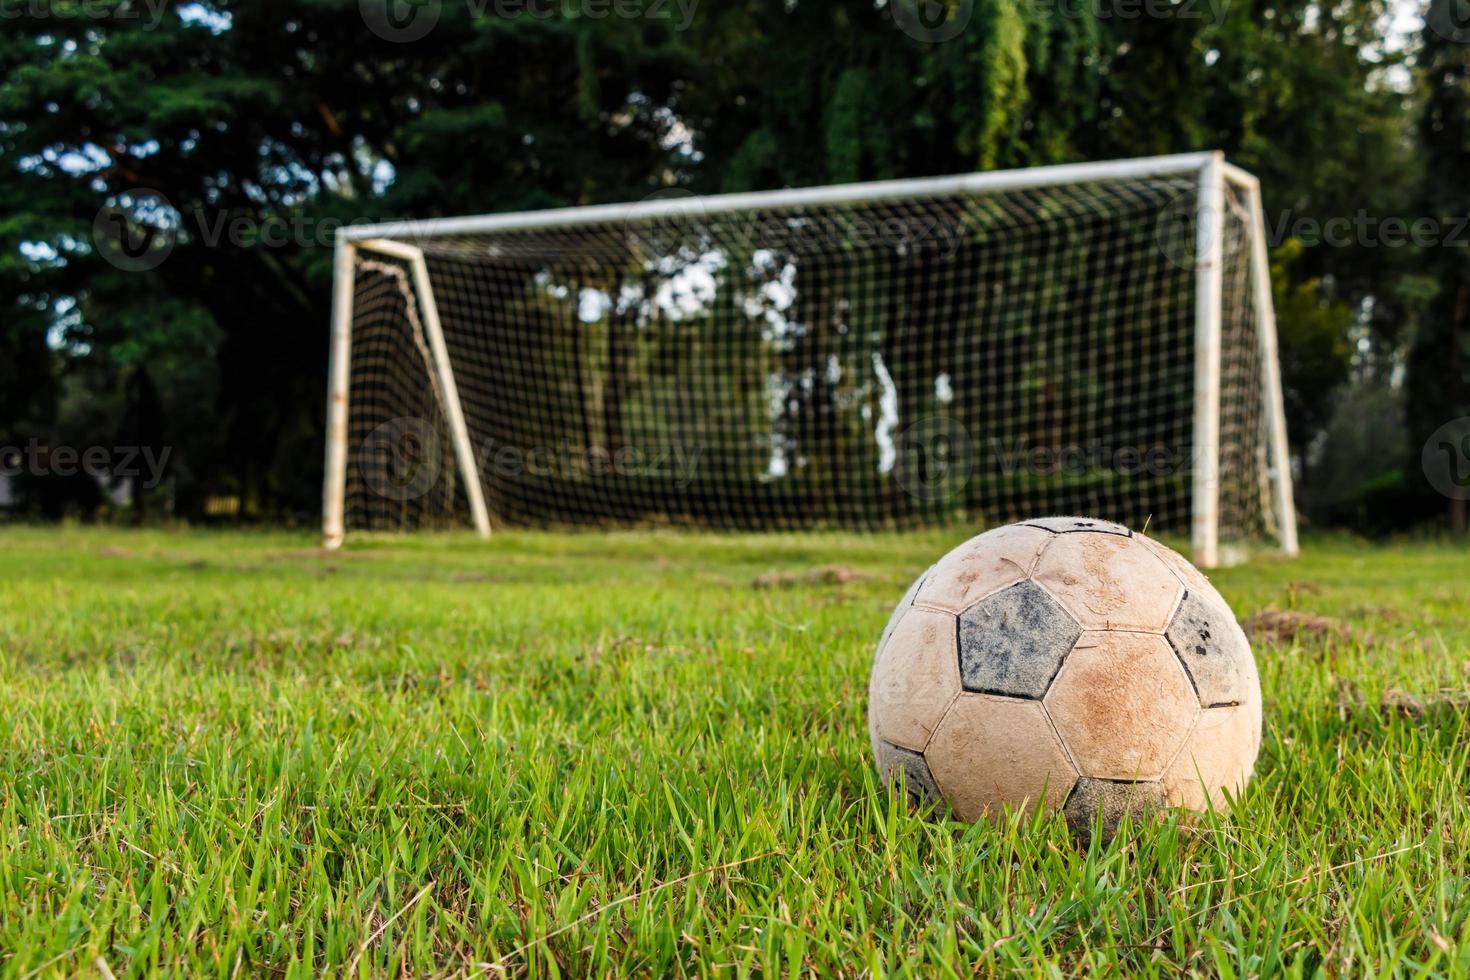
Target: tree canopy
(247, 132)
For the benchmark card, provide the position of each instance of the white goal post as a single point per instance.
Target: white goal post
(1095, 338)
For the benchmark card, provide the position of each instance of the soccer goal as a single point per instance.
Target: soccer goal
(1083, 339)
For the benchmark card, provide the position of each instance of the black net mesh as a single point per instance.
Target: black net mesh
(977, 358)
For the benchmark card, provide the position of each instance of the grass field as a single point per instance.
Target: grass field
(586, 754)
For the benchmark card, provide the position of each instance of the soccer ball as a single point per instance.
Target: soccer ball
(1067, 663)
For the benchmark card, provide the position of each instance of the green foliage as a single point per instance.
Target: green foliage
(247, 113)
(851, 102)
(579, 757)
(1355, 467)
(997, 73)
(27, 375)
(1439, 363)
(1316, 355)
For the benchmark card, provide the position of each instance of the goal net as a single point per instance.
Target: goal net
(1089, 339)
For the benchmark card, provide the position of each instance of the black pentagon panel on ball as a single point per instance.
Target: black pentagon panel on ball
(1013, 643)
(1108, 802)
(910, 771)
(1073, 525)
(1214, 652)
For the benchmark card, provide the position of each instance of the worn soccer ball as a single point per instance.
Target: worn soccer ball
(1065, 663)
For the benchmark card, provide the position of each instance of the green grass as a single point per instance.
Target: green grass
(586, 754)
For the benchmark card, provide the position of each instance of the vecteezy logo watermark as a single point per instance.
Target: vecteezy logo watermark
(400, 21)
(678, 218)
(1450, 19)
(1211, 11)
(567, 460)
(136, 231)
(150, 11)
(675, 220)
(934, 458)
(1183, 227)
(99, 462)
(401, 459)
(1364, 230)
(1094, 456)
(405, 21)
(932, 21)
(1446, 459)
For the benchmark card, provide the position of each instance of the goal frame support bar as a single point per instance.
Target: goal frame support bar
(334, 497)
(1210, 209)
(1209, 277)
(339, 373)
(1213, 174)
(1278, 447)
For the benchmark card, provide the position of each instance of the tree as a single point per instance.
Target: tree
(261, 124)
(1439, 366)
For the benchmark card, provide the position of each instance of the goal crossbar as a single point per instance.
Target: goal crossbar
(799, 197)
(401, 241)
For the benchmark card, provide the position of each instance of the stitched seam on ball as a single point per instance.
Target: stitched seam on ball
(1055, 598)
(938, 725)
(1194, 684)
(1062, 660)
(1036, 563)
(1026, 572)
(1178, 603)
(1107, 627)
(1193, 725)
(1057, 733)
(1036, 558)
(1168, 567)
(1198, 711)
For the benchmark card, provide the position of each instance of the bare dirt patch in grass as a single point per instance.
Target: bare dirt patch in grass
(826, 575)
(1287, 625)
